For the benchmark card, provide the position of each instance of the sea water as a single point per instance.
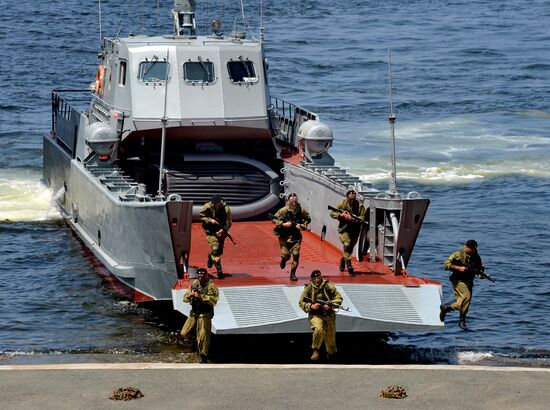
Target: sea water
(471, 91)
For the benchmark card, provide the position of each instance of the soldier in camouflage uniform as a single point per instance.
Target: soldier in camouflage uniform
(348, 227)
(289, 221)
(321, 316)
(203, 296)
(464, 264)
(215, 217)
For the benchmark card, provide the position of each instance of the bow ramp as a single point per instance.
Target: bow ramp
(256, 296)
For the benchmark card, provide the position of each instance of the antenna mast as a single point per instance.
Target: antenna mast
(183, 16)
(164, 121)
(393, 182)
(261, 22)
(100, 32)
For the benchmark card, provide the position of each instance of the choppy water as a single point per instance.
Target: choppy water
(472, 98)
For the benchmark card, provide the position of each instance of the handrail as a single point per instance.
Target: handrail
(290, 117)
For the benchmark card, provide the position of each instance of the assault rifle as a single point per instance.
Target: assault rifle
(483, 275)
(341, 211)
(335, 306)
(298, 224)
(196, 302)
(225, 230)
(197, 288)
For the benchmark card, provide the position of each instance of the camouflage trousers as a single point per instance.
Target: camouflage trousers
(324, 331)
(348, 239)
(291, 246)
(202, 324)
(216, 247)
(463, 293)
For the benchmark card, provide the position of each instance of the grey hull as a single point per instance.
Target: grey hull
(132, 239)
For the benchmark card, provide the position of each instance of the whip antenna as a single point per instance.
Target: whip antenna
(391, 119)
(164, 121)
(100, 32)
(261, 21)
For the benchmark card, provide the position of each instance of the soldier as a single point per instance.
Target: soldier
(289, 221)
(203, 296)
(321, 315)
(349, 227)
(216, 221)
(465, 264)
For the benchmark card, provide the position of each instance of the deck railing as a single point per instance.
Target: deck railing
(66, 117)
(289, 118)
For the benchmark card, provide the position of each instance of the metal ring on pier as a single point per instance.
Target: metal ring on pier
(413, 195)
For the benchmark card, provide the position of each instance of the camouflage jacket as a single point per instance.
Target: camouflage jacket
(356, 208)
(204, 306)
(285, 214)
(223, 215)
(325, 291)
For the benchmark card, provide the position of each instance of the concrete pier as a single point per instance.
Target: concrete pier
(241, 386)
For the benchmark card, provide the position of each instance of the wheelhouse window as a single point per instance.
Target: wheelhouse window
(152, 71)
(122, 73)
(198, 71)
(241, 71)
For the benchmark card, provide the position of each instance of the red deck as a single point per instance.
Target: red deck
(255, 260)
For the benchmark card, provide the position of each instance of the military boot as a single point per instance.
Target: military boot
(342, 266)
(350, 268)
(443, 310)
(209, 262)
(315, 355)
(293, 275)
(219, 270)
(462, 323)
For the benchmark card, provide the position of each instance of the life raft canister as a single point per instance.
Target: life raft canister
(100, 79)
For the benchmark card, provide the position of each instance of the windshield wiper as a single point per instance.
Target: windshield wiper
(151, 64)
(245, 67)
(204, 68)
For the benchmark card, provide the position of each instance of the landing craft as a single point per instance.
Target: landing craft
(173, 120)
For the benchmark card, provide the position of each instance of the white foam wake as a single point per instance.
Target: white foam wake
(448, 173)
(23, 198)
(473, 357)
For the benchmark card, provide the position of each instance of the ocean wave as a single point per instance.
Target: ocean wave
(461, 173)
(473, 357)
(23, 198)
